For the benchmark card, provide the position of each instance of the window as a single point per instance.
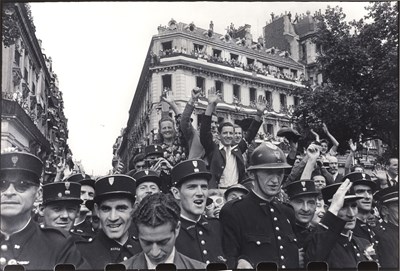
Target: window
(219, 86)
(33, 89)
(17, 57)
(167, 81)
(270, 129)
(236, 91)
(200, 82)
(282, 98)
(217, 53)
(167, 45)
(294, 72)
(26, 75)
(296, 100)
(268, 97)
(303, 52)
(198, 47)
(253, 95)
(234, 57)
(250, 61)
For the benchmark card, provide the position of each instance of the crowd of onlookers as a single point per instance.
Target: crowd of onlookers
(201, 195)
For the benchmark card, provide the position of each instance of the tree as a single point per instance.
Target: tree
(359, 65)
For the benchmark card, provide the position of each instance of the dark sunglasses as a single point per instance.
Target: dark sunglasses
(19, 186)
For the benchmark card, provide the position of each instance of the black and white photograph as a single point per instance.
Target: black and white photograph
(199, 135)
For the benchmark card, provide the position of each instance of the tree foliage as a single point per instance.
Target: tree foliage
(359, 65)
(10, 30)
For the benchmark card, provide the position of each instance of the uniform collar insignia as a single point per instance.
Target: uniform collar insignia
(111, 180)
(14, 159)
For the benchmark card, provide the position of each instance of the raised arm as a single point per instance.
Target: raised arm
(206, 137)
(331, 137)
(255, 124)
(313, 152)
(186, 125)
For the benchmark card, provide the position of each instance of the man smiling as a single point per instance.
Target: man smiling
(113, 202)
(157, 222)
(60, 205)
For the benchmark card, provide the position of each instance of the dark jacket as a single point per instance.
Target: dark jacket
(259, 231)
(102, 250)
(37, 248)
(217, 157)
(181, 262)
(388, 244)
(330, 246)
(201, 240)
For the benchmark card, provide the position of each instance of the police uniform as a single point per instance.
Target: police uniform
(101, 250)
(33, 247)
(257, 230)
(299, 189)
(329, 244)
(387, 232)
(199, 240)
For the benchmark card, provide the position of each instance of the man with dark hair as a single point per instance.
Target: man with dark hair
(226, 159)
(200, 237)
(22, 241)
(157, 221)
(114, 204)
(258, 227)
(237, 134)
(390, 176)
(60, 204)
(147, 183)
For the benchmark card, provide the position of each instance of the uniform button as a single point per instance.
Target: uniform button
(3, 261)
(258, 243)
(282, 257)
(207, 262)
(358, 254)
(4, 247)
(90, 239)
(279, 238)
(376, 242)
(200, 232)
(283, 267)
(369, 230)
(275, 219)
(272, 210)
(355, 247)
(295, 239)
(17, 246)
(12, 261)
(383, 228)
(281, 247)
(203, 242)
(205, 252)
(277, 228)
(125, 258)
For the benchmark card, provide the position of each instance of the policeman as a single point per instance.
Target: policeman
(22, 241)
(147, 183)
(235, 191)
(155, 161)
(334, 242)
(60, 204)
(257, 227)
(82, 225)
(388, 229)
(363, 187)
(199, 237)
(114, 202)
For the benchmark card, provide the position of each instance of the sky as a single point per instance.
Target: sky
(98, 51)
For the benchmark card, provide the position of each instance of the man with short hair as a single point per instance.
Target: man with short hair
(157, 221)
(199, 237)
(237, 134)
(114, 203)
(22, 241)
(334, 168)
(258, 227)
(390, 176)
(334, 242)
(60, 204)
(226, 159)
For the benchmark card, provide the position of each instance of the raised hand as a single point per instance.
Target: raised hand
(168, 97)
(261, 104)
(313, 151)
(353, 146)
(325, 128)
(196, 93)
(338, 197)
(214, 96)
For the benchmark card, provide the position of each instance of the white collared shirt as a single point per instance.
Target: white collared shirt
(170, 259)
(230, 175)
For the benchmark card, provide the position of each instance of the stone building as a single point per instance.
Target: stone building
(32, 109)
(294, 34)
(182, 56)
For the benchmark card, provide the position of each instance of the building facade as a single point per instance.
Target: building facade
(32, 109)
(294, 34)
(183, 56)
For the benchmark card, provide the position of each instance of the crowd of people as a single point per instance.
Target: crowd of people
(201, 196)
